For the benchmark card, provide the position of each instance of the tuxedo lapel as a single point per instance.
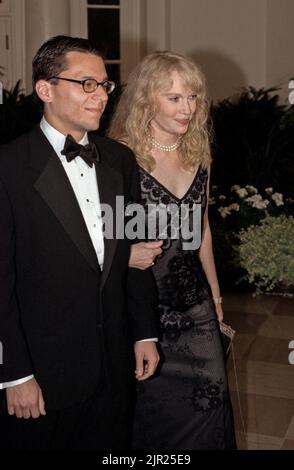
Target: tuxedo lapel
(56, 190)
(110, 185)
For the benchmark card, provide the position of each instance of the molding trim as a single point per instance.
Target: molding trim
(132, 34)
(78, 18)
(132, 30)
(158, 25)
(18, 51)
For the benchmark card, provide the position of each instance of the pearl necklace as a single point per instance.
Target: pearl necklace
(164, 148)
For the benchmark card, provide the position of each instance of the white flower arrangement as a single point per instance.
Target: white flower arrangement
(242, 192)
(245, 208)
(278, 198)
(246, 198)
(224, 211)
(251, 189)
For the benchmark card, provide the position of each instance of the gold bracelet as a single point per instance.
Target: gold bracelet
(217, 300)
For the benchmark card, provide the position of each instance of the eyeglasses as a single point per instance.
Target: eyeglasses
(90, 84)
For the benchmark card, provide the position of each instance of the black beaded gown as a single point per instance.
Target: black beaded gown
(186, 405)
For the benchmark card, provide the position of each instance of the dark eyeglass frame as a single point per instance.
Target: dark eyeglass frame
(107, 85)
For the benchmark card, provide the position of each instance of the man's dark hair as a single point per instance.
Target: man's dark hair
(50, 60)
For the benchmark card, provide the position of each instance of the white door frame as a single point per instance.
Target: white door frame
(132, 30)
(144, 27)
(14, 12)
(18, 42)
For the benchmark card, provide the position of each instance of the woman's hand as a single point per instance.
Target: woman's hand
(143, 254)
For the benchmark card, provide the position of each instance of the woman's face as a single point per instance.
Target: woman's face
(174, 108)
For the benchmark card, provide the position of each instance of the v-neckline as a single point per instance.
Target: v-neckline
(179, 199)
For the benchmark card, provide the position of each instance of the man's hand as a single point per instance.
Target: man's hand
(25, 400)
(147, 358)
(143, 254)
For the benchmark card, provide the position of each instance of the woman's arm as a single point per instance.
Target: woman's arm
(207, 261)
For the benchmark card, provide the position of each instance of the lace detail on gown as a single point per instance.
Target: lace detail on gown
(154, 193)
(186, 404)
(179, 276)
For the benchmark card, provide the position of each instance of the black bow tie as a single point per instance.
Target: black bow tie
(72, 149)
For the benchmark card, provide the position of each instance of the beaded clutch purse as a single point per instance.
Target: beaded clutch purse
(227, 336)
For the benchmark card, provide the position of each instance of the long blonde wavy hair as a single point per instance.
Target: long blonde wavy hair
(137, 107)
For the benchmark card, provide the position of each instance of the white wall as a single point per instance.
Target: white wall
(44, 19)
(280, 45)
(237, 42)
(226, 36)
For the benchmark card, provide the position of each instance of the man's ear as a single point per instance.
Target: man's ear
(43, 89)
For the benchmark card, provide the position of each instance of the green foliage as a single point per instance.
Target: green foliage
(18, 113)
(231, 212)
(266, 252)
(254, 141)
(254, 146)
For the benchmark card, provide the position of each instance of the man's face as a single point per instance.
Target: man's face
(71, 110)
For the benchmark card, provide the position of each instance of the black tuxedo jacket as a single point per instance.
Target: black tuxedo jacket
(61, 319)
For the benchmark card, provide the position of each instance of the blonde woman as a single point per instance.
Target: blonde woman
(162, 117)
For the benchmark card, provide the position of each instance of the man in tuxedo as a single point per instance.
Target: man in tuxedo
(69, 304)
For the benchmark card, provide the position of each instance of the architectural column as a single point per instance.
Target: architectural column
(44, 19)
(158, 25)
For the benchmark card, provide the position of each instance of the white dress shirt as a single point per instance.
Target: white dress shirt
(84, 183)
